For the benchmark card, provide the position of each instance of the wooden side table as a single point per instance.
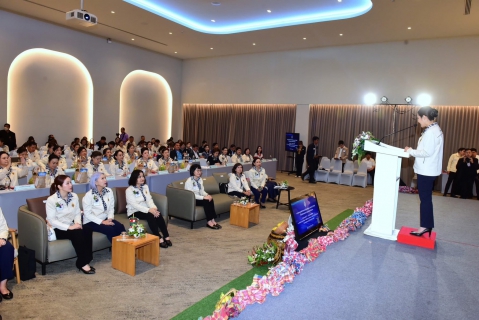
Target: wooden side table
(125, 252)
(242, 215)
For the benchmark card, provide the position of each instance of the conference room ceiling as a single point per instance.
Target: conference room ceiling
(388, 20)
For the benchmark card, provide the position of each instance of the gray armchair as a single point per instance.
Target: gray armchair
(182, 203)
(32, 229)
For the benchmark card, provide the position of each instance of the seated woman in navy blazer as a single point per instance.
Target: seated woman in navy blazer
(6, 259)
(213, 159)
(140, 203)
(99, 208)
(195, 184)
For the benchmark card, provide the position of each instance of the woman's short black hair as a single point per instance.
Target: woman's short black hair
(236, 166)
(143, 150)
(53, 156)
(193, 168)
(134, 177)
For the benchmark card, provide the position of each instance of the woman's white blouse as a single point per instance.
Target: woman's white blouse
(224, 158)
(101, 168)
(128, 158)
(150, 164)
(237, 183)
(62, 215)
(115, 168)
(429, 152)
(17, 172)
(257, 179)
(135, 201)
(50, 177)
(258, 155)
(162, 161)
(93, 210)
(237, 159)
(3, 226)
(247, 158)
(198, 188)
(5, 148)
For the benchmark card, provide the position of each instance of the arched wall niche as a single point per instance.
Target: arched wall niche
(146, 105)
(49, 92)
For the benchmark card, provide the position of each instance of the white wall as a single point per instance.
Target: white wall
(108, 65)
(448, 69)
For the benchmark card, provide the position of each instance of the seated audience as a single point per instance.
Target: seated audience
(156, 146)
(121, 146)
(146, 162)
(232, 150)
(238, 185)
(64, 215)
(258, 178)
(206, 151)
(99, 208)
(3, 146)
(131, 140)
(33, 152)
(164, 158)
(8, 174)
(23, 153)
(118, 165)
(213, 159)
(131, 155)
(6, 259)
(259, 153)
(203, 144)
(203, 199)
(342, 153)
(102, 143)
(237, 157)
(371, 165)
(106, 155)
(140, 204)
(96, 165)
(224, 157)
(176, 154)
(52, 170)
(82, 156)
(44, 159)
(195, 152)
(62, 163)
(247, 157)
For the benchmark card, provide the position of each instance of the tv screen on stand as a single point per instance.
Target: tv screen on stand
(292, 141)
(305, 215)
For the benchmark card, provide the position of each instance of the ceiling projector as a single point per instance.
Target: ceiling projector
(81, 17)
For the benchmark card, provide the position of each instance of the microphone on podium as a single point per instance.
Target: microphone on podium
(413, 126)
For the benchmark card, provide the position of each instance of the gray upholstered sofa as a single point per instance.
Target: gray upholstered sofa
(32, 229)
(182, 203)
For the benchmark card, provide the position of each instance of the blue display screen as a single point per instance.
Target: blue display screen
(306, 215)
(292, 142)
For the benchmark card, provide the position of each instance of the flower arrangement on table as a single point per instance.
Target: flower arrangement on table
(162, 167)
(358, 144)
(243, 201)
(284, 184)
(265, 254)
(136, 230)
(183, 165)
(74, 165)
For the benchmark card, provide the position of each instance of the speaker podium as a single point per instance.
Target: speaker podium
(386, 187)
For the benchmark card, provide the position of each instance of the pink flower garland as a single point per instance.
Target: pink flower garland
(406, 189)
(292, 265)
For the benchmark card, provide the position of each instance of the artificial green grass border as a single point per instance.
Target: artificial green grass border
(206, 306)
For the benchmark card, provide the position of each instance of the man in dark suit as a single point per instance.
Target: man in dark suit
(8, 137)
(312, 159)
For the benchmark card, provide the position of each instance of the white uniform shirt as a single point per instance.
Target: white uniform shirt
(237, 159)
(62, 214)
(93, 208)
(257, 179)
(3, 226)
(138, 200)
(451, 164)
(129, 159)
(92, 169)
(238, 184)
(197, 187)
(162, 161)
(51, 175)
(224, 158)
(371, 163)
(5, 148)
(13, 175)
(115, 168)
(34, 156)
(150, 164)
(429, 152)
(247, 158)
(155, 148)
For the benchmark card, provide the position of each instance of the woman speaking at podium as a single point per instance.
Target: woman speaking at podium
(428, 165)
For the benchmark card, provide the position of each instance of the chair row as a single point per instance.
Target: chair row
(331, 172)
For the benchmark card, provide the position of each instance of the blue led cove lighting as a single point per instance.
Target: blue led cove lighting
(325, 10)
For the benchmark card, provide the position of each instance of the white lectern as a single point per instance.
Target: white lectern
(386, 187)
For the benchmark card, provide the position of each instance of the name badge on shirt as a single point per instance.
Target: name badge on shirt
(137, 195)
(97, 203)
(468, 164)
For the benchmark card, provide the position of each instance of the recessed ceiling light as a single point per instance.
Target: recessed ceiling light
(268, 11)
(409, 28)
(211, 48)
(213, 21)
(216, 3)
(340, 0)
(340, 34)
(171, 32)
(176, 52)
(254, 44)
(132, 39)
(304, 38)
(113, 12)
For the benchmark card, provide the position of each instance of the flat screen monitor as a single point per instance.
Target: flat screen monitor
(305, 215)
(292, 141)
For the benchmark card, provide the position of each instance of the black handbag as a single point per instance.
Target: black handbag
(27, 263)
(224, 188)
